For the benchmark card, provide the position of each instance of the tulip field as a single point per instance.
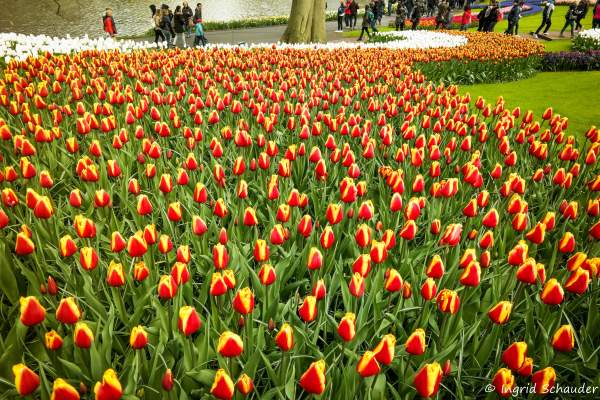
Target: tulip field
(279, 222)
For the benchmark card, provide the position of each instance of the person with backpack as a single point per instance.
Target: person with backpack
(341, 13)
(368, 20)
(570, 18)
(465, 21)
(514, 15)
(401, 14)
(596, 16)
(108, 22)
(581, 9)
(546, 18)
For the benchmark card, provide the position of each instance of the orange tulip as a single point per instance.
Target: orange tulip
(543, 380)
(32, 312)
(504, 382)
(368, 365)
(26, 381)
(189, 321)
(61, 390)
(243, 301)
(347, 327)
(385, 350)
(222, 387)
(83, 335)
(285, 337)
(313, 379)
(500, 313)
(138, 338)
(230, 344)
(427, 379)
(564, 339)
(52, 340)
(308, 309)
(109, 388)
(244, 384)
(514, 356)
(415, 344)
(67, 311)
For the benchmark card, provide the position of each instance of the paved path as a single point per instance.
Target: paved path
(268, 34)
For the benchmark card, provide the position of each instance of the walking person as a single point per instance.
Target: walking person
(570, 18)
(354, 13)
(179, 27)
(596, 16)
(198, 12)
(366, 22)
(546, 18)
(347, 14)
(108, 23)
(199, 38)
(188, 15)
(417, 12)
(514, 15)
(466, 18)
(156, 17)
(401, 14)
(165, 24)
(581, 9)
(341, 12)
(492, 17)
(482, 18)
(442, 15)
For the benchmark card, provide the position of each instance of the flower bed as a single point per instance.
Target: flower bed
(19, 46)
(260, 220)
(571, 61)
(587, 40)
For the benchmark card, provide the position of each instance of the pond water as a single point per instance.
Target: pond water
(78, 17)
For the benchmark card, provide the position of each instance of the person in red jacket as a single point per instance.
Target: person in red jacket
(465, 21)
(109, 23)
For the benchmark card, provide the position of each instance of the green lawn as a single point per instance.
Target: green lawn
(572, 94)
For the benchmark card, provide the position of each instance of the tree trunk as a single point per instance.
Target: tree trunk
(306, 23)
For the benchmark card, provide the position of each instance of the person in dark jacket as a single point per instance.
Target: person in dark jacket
(417, 12)
(546, 18)
(581, 9)
(481, 18)
(492, 17)
(513, 18)
(341, 13)
(570, 18)
(401, 14)
(443, 14)
(179, 27)
(188, 15)
(198, 12)
(367, 21)
(165, 24)
(109, 23)
(354, 13)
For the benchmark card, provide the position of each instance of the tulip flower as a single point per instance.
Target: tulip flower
(180, 273)
(319, 289)
(140, 271)
(504, 382)
(167, 380)
(385, 350)
(83, 335)
(448, 301)
(427, 379)
(313, 379)
(527, 367)
(32, 312)
(500, 313)
(435, 268)
(285, 337)
(26, 381)
(543, 380)
(167, 287)
(415, 344)
(514, 356)
(230, 344)
(267, 275)
(222, 387)
(244, 384)
(452, 235)
(429, 289)
(52, 340)
(138, 338)
(578, 281)
(109, 388)
(347, 327)
(393, 280)
(368, 365)
(115, 276)
(552, 293)
(67, 311)
(564, 339)
(308, 309)
(189, 321)
(356, 286)
(24, 245)
(61, 390)
(243, 301)
(220, 256)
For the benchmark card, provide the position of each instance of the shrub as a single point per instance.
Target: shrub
(571, 61)
(587, 40)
